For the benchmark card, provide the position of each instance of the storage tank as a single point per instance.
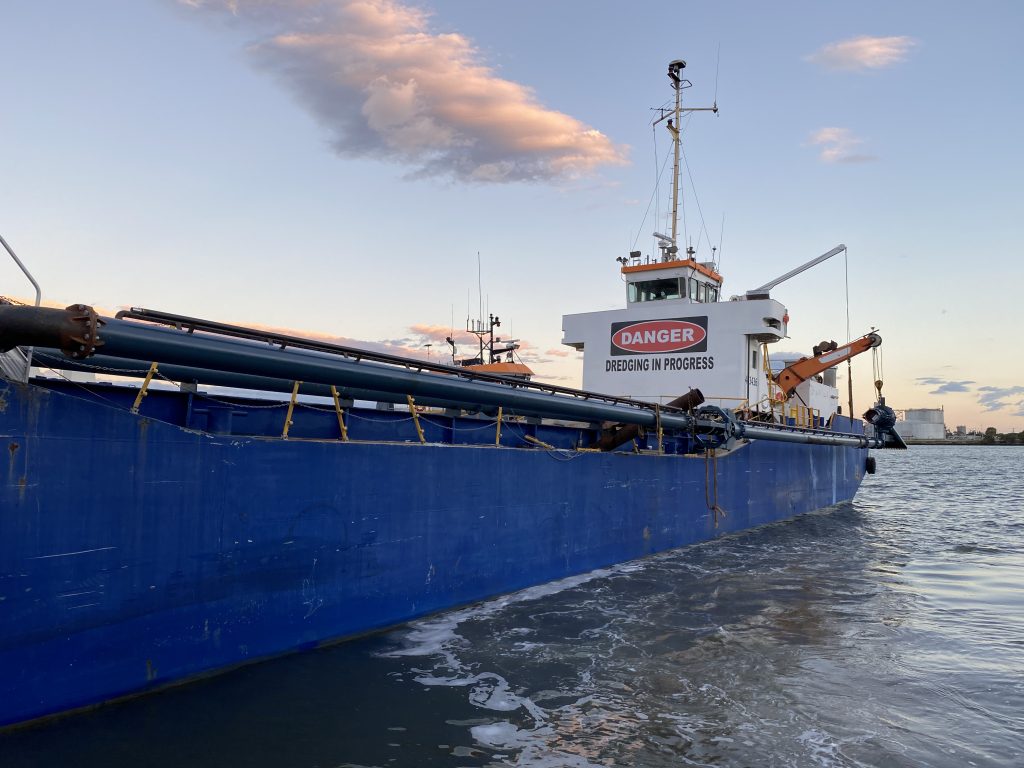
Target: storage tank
(922, 424)
(926, 415)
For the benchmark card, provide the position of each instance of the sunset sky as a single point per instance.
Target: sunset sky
(335, 166)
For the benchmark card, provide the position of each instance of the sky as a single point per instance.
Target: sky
(336, 166)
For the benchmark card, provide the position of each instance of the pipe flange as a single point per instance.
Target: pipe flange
(80, 337)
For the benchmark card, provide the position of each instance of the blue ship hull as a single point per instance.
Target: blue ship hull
(139, 551)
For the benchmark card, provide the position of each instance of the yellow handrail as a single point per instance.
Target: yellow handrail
(145, 388)
(415, 418)
(341, 414)
(291, 410)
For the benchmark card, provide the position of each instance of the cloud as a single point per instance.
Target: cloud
(468, 344)
(944, 386)
(838, 145)
(865, 52)
(402, 347)
(387, 86)
(413, 346)
(439, 333)
(998, 398)
(558, 352)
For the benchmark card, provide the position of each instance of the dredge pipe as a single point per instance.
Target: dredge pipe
(68, 329)
(810, 438)
(179, 373)
(75, 333)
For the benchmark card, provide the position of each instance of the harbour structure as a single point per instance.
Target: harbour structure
(150, 536)
(922, 424)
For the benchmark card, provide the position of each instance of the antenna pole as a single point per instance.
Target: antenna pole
(673, 128)
(479, 290)
(678, 83)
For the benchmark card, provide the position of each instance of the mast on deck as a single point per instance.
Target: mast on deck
(675, 69)
(672, 275)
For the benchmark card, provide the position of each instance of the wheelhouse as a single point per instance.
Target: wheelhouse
(670, 279)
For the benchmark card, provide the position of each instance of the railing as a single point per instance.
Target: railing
(805, 416)
(39, 297)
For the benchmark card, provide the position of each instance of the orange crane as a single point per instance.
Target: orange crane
(826, 355)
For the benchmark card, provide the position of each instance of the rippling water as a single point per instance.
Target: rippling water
(886, 632)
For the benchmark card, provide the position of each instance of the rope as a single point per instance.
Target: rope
(878, 375)
(656, 185)
(657, 418)
(846, 274)
(379, 421)
(558, 454)
(84, 388)
(849, 364)
(227, 403)
(115, 371)
(703, 227)
(711, 482)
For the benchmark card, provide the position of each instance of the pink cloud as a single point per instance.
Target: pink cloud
(386, 85)
(838, 145)
(864, 52)
(439, 333)
(402, 348)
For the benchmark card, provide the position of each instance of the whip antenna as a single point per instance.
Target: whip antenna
(721, 236)
(718, 60)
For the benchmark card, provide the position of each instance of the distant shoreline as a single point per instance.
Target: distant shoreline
(912, 441)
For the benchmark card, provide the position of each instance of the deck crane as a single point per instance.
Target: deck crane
(826, 355)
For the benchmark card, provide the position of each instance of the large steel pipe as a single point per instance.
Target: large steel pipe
(136, 341)
(105, 364)
(811, 438)
(68, 329)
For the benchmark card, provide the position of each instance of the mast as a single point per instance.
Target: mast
(675, 69)
(673, 128)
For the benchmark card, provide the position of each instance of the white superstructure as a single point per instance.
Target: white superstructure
(676, 334)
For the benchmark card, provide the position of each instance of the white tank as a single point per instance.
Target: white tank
(926, 415)
(922, 424)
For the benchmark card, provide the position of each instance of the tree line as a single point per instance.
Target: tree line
(992, 437)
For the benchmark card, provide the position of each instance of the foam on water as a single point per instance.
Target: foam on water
(846, 637)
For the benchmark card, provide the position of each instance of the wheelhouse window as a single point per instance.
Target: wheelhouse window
(672, 288)
(656, 290)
